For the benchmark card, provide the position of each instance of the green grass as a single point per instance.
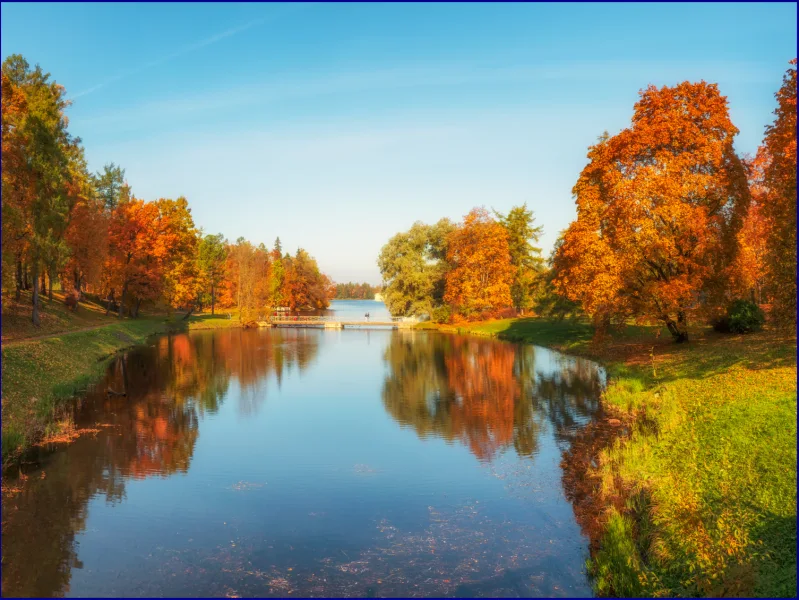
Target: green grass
(714, 453)
(700, 498)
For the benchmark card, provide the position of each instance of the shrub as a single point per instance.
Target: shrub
(742, 317)
(441, 314)
(490, 314)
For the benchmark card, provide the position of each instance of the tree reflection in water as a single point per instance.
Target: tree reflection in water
(489, 396)
(485, 394)
(149, 431)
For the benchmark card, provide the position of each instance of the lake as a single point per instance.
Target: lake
(310, 462)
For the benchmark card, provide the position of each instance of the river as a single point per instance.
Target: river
(309, 462)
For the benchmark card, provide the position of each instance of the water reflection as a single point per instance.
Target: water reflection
(147, 426)
(196, 486)
(488, 396)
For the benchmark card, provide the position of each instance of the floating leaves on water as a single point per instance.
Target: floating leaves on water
(66, 435)
(459, 551)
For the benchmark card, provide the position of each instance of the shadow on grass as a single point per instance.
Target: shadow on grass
(633, 348)
(776, 569)
(548, 333)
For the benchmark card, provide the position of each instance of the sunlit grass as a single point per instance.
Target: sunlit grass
(717, 458)
(56, 317)
(224, 318)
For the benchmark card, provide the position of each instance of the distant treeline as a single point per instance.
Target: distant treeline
(356, 291)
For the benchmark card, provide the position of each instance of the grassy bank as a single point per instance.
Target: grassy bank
(700, 497)
(44, 367)
(56, 317)
(39, 375)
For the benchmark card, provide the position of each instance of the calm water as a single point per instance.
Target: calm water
(351, 310)
(312, 463)
(356, 309)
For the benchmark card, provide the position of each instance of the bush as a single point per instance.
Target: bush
(441, 314)
(742, 317)
(491, 314)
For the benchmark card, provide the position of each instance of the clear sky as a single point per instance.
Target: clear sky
(336, 125)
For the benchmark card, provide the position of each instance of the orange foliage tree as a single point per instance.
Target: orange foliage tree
(659, 207)
(304, 285)
(748, 272)
(481, 272)
(779, 205)
(177, 247)
(86, 234)
(131, 268)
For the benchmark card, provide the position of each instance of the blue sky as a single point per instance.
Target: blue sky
(336, 125)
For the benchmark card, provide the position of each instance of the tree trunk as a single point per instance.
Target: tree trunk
(35, 314)
(679, 335)
(136, 309)
(110, 299)
(188, 314)
(43, 287)
(25, 285)
(50, 286)
(122, 299)
(213, 298)
(19, 276)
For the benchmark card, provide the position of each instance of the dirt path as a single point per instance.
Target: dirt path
(51, 335)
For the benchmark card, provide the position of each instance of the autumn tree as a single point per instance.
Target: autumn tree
(659, 207)
(176, 251)
(749, 270)
(549, 302)
(248, 274)
(39, 203)
(132, 268)
(212, 257)
(524, 255)
(413, 267)
(16, 184)
(278, 275)
(304, 284)
(779, 206)
(481, 271)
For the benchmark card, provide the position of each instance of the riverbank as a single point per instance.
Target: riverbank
(44, 368)
(700, 497)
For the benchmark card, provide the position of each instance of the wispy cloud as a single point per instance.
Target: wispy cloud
(391, 79)
(178, 53)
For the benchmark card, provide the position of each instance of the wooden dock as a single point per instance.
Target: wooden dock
(333, 322)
